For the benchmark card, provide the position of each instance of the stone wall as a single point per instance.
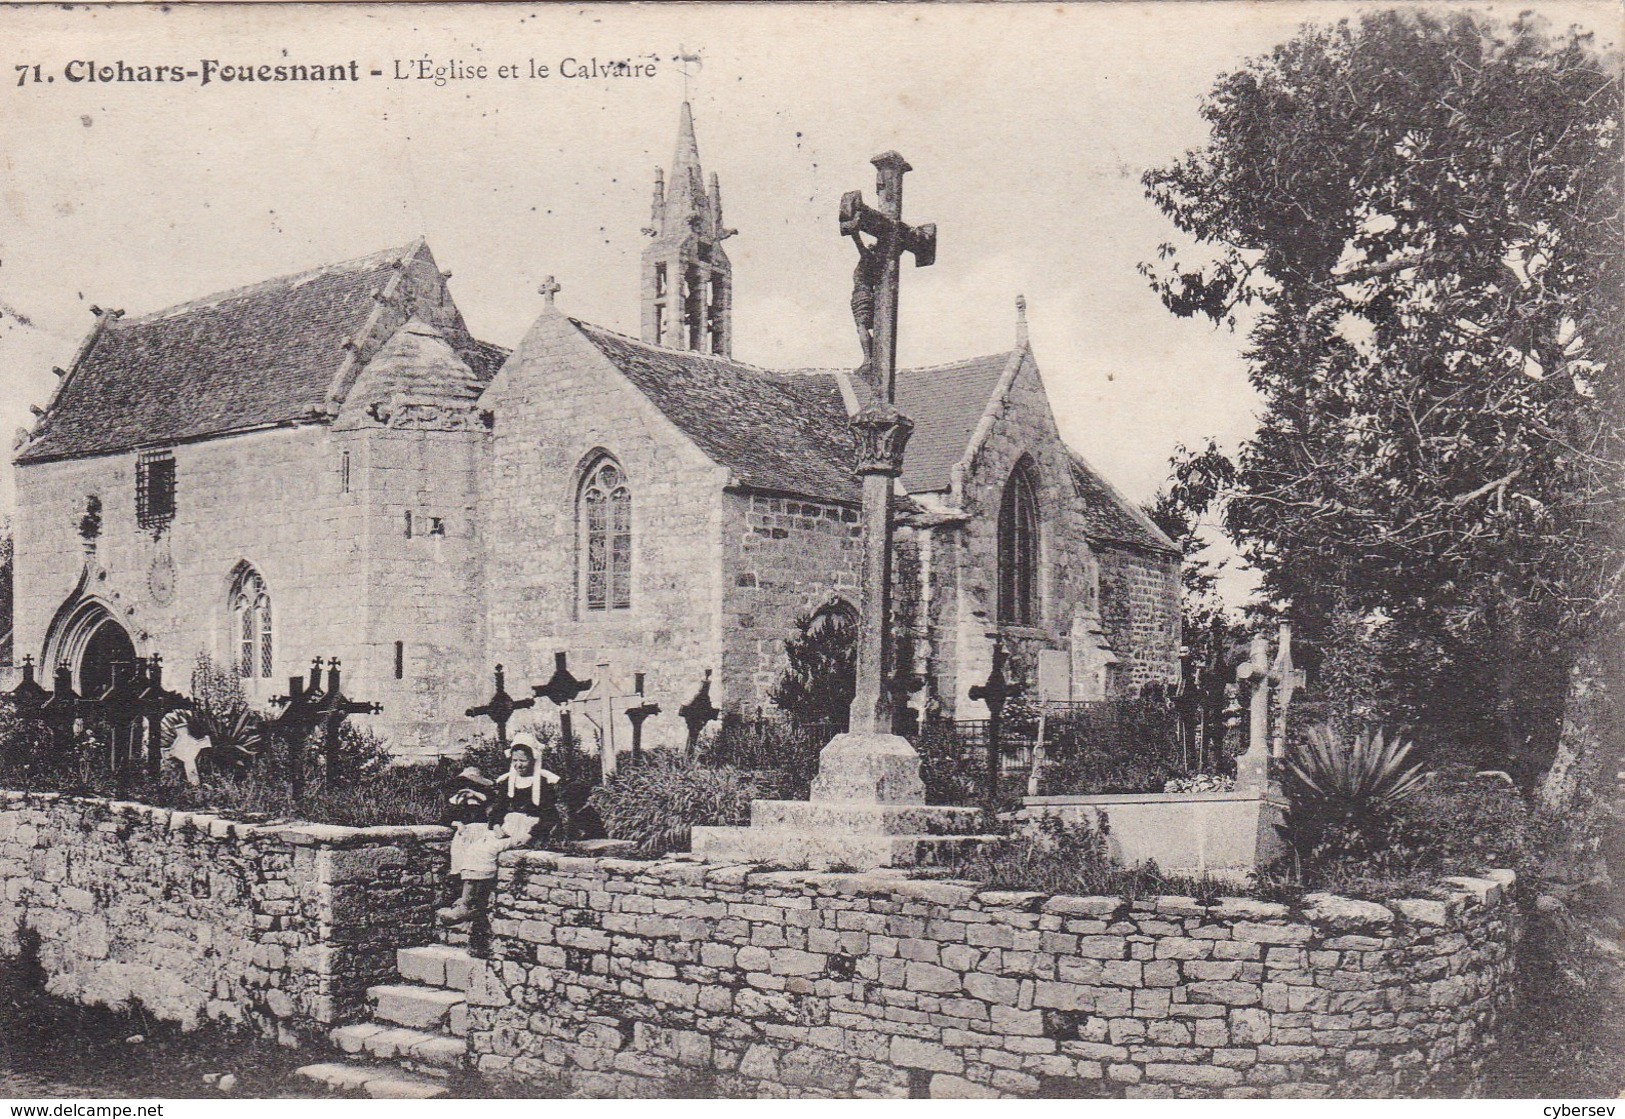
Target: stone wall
(786, 557)
(279, 927)
(559, 404)
(1139, 607)
(623, 977)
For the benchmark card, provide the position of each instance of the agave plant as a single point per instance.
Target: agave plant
(1348, 793)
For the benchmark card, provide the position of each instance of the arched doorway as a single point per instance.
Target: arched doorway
(89, 640)
(108, 645)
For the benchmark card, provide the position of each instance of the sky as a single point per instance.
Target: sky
(1028, 127)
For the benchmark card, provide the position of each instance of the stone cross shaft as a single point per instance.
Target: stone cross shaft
(881, 430)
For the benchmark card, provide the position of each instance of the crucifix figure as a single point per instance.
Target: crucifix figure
(882, 431)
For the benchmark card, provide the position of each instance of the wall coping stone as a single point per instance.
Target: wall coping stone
(1345, 914)
(293, 833)
(1329, 912)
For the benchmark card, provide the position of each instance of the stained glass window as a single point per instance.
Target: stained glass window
(251, 624)
(606, 538)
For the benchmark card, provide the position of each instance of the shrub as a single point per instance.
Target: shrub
(1130, 745)
(1345, 796)
(821, 678)
(1052, 856)
(787, 746)
(955, 775)
(657, 801)
(1464, 822)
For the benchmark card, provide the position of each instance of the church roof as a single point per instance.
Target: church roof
(946, 402)
(251, 357)
(1111, 517)
(780, 432)
(416, 369)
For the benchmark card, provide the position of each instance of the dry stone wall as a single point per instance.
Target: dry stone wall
(280, 927)
(622, 977)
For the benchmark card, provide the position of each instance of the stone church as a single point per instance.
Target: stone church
(330, 464)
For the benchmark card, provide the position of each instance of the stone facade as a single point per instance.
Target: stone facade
(1139, 607)
(787, 558)
(559, 405)
(1018, 429)
(417, 513)
(623, 977)
(281, 927)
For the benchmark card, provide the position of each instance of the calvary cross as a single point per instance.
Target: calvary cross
(892, 238)
(881, 430)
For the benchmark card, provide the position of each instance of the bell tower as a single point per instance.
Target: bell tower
(687, 280)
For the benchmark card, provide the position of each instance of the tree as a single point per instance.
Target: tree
(1425, 212)
(821, 677)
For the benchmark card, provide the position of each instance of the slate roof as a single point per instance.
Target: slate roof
(236, 360)
(1112, 517)
(781, 432)
(946, 402)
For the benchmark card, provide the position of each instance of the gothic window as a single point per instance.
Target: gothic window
(1018, 548)
(605, 515)
(155, 488)
(251, 624)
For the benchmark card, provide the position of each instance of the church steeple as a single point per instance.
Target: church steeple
(687, 280)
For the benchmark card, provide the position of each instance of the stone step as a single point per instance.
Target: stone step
(408, 1004)
(437, 965)
(381, 1082)
(433, 1051)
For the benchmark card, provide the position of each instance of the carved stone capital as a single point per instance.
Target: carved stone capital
(882, 432)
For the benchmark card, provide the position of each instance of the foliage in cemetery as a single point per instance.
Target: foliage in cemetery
(1463, 821)
(221, 713)
(954, 775)
(1053, 856)
(1346, 791)
(788, 747)
(1421, 213)
(1138, 749)
(657, 801)
(820, 680)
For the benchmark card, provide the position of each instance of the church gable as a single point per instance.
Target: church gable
(280, 352)
(416, 380)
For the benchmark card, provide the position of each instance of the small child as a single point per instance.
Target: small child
(475, 845)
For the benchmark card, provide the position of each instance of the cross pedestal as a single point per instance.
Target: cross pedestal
(867, 810)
